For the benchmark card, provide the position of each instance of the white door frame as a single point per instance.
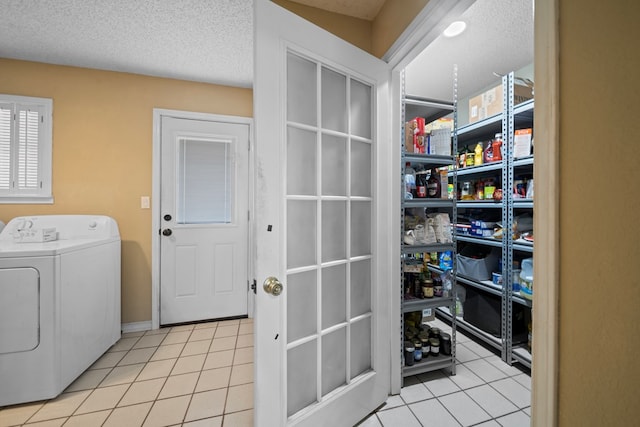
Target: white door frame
(423, 30)
(425, 27)
(158, 113)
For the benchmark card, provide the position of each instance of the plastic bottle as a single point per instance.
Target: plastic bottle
(409, 181)
(478, 154)
(496, 147)
(526, 279)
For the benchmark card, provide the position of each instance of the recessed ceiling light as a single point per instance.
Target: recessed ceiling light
(456, 28)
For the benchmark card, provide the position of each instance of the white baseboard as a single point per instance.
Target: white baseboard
(136, 326)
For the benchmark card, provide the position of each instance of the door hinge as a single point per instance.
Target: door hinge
(254, 286)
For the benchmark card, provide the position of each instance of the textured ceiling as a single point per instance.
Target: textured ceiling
(200, 40)
(498, 38)
(212, 40)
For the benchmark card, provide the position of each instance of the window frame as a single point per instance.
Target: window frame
(42, 195)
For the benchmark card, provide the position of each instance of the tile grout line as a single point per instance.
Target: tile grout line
(164, 378)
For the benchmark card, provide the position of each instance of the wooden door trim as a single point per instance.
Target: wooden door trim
(544, 374)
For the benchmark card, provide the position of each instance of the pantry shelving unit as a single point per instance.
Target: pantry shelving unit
(512, 118)
(522, 117)
(430, 110)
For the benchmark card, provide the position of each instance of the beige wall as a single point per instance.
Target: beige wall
(102, 145)
(355, 31)
(599, 301)
(394, 17)
(375, 37)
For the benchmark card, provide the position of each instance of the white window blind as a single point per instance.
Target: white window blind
(205, 187)
(25, 149)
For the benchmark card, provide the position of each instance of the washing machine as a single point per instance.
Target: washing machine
(59, 301)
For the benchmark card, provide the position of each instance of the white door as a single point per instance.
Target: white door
(322, 225)
(203, 219)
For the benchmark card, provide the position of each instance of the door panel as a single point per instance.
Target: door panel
(204, 206)
(322, 349)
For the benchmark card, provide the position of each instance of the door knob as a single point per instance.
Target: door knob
(167, 232)
(272, 286)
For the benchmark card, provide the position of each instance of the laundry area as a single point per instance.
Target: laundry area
(317, 212)
(59, 302)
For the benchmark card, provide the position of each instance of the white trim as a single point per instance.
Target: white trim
(544, 374)
(545, 308)
(423, 30)
(44, 195)
(158, 113)
(136, 327)
(27, 200)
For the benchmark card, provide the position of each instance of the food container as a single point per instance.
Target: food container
(515, 284)
(496, 278)
(409, 351)
(445, 343)
(435, 346)
(417, 354)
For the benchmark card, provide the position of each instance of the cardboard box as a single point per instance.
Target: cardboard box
(444, 183)
(409, 128)
(440, 142)
(420, 143)
(443, 123)
(489, 103)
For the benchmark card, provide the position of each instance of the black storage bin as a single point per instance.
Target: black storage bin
(484, 311)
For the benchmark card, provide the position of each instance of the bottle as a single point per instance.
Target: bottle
(433, 185)
(467, 191)
(409, 181)
(488, 152)
(478, 154)
(421, 184)
(496, 146)
(479, 190)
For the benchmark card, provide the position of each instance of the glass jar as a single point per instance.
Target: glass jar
(417, 354)
(467, 191)
(437, 287)
(434, 346)
(409, 351)
(427, 288)
(445, 343)
(426, 346)
(434, 333)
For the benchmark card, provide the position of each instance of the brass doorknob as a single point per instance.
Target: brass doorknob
(272, 286)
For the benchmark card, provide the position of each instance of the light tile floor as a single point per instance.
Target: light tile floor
(484, 392)
(190, 375)
(202, 376)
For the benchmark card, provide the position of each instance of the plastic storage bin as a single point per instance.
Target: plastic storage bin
(484, 311)
(481, 268)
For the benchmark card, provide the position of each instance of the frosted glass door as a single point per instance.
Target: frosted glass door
(329, 226)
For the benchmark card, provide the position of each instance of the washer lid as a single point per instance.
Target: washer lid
(57, 247)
